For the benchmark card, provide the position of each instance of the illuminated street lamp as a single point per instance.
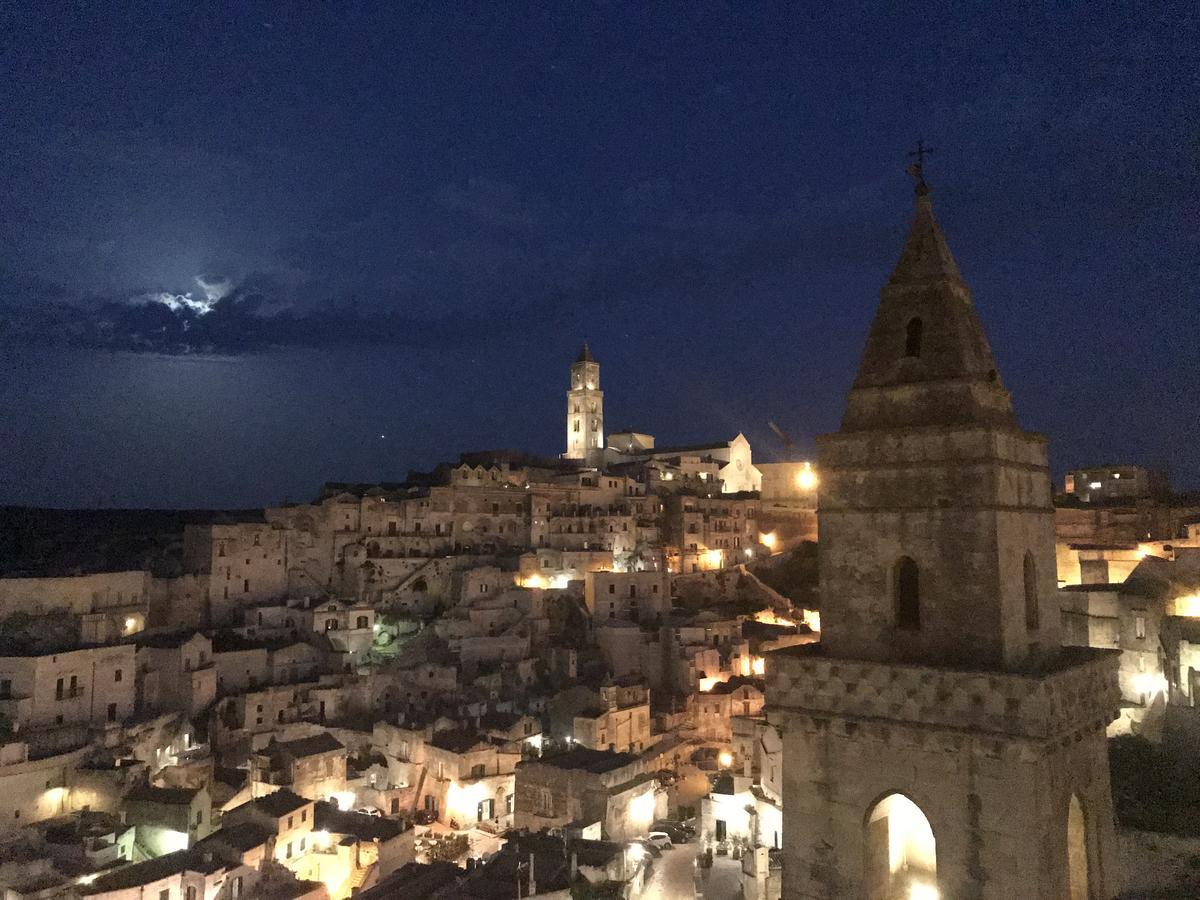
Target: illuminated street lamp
(806, 478)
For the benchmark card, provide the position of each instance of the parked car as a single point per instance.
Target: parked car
(652, 850)
(677, 833)
(659, 839)
(369, 811)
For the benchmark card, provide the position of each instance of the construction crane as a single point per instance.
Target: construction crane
(787, 441)
(806, 478)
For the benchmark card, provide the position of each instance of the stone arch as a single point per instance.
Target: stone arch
(907, 594)
(1029, 573)
(901, 851)
(1077, 851)
(914, 332)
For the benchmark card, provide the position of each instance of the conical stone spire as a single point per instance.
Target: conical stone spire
(927, 361)
(585, 354)
(926, 256)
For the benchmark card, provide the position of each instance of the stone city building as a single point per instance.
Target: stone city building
(939, 740)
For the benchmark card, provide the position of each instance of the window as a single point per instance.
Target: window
(478, 772)
(577, 425)
(544, 802)
(1139, 625)
(118, 675)
(58, 689)
(5, 688)
(908, 594)
(364, 622)
(112, 712)
(612, 588)
(164, 894)
(486, 810)
(1031, 592)
(913, 332)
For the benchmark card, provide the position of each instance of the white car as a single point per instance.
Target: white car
(660, 839)
(369, 811)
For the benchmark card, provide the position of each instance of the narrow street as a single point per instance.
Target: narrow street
(672, 878)
(676, 877)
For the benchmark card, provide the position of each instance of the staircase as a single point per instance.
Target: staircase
(361, 876)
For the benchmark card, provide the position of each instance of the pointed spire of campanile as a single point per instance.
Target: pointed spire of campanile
(927, 361)
(585, 354)
(926, 256)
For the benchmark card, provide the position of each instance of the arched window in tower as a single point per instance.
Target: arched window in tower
(901, 853)
(576, 424)
(1031, 592)
(913, 332)
(1077, 855)
(908, 594)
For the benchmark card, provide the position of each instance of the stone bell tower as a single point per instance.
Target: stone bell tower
(938, 741)
(585, 408)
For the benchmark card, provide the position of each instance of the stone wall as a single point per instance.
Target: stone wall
(1034, 706)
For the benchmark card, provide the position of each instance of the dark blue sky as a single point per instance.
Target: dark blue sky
(423, 210)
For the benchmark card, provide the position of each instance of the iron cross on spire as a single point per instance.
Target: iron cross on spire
(917, 169)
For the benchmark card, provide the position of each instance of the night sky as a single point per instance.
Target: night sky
(247, 250)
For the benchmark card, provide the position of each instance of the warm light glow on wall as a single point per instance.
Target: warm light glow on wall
(769, 617)
(910, 844)
(462, 801)
(641, 808)
(1149, 685)
(758, 665)
(806, 478)
(174, 840)
(768, 540)
(713, 559)
(923, 891)
(811, 618)
(707, 682)
(344, 799)
(1188, 607)
(534, 581)
(725, 759)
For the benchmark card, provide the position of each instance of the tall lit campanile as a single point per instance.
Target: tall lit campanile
(939, 743)
(585, 408)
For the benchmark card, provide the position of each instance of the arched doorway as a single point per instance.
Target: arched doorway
(901, 858)
(1077, 855)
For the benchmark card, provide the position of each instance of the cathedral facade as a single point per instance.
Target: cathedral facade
(939, 742)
